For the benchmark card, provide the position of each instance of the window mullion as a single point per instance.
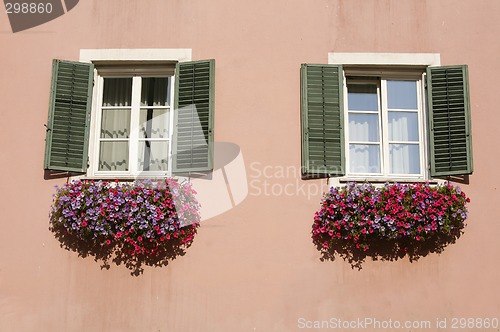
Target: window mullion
(384, 128)
(422, 129)
(171, 117)
(97, 123)
(134, 124)
(346, 126)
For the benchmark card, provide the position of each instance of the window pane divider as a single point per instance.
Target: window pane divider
(384, 127)
(363, 143)
(404, 142)
(112, 139)
(363, 112)
(134, 123)
(116, 107)
(402, 110)
(160, 139)
(171, 117)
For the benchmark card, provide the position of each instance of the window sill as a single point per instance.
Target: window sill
(125, 178)
(380, 181)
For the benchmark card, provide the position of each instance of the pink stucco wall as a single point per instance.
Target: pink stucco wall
(253, 268)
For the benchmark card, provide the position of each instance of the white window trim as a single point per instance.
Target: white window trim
(382, 127)
(92, 55)
(387, 59)
(137, 54)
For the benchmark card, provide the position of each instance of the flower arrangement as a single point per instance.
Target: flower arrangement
(363, 215)
(137, 218)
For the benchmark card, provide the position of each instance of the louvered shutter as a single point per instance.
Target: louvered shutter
(66, 144)
(194, 116)
(449, 121)
(322, 120)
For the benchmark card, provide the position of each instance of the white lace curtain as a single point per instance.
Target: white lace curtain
(152, 155)
(115, 124)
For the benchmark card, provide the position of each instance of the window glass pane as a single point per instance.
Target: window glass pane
(153, 156)
(363, 127)
(403, 126)
(402, 95)
(364, 158)
(113, 156)
(362, 97)
(117, 92)
(154, 123)
(155, 91)
(115, 123)
(404, 158)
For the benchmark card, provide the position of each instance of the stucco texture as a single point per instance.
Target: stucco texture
(254, 267)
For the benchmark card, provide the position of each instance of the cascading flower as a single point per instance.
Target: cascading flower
(137, 217)
(362, 214)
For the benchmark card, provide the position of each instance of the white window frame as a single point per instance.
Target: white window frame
(134, 139)
(410, 66)
(383, 113)
(135, 55)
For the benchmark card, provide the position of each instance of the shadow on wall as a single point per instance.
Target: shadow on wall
(385, 250)
(107, 253)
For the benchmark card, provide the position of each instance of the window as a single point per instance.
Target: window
(379, 121)
(123, 119)
(134, 121)
(384, 127)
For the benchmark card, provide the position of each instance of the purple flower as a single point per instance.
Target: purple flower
(126, 208)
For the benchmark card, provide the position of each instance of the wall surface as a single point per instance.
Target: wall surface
(253, 268)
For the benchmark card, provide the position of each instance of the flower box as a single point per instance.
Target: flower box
(361, 216)
(130, 218)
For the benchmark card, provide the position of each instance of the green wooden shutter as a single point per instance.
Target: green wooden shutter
(194, 116)
(322, 120)
(449, 120)
(66, 144)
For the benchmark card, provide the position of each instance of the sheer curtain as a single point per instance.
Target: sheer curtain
(404, 154)
(364, 135)
(154, 122)
(366, 110)
(115, 124)
(364, 158)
